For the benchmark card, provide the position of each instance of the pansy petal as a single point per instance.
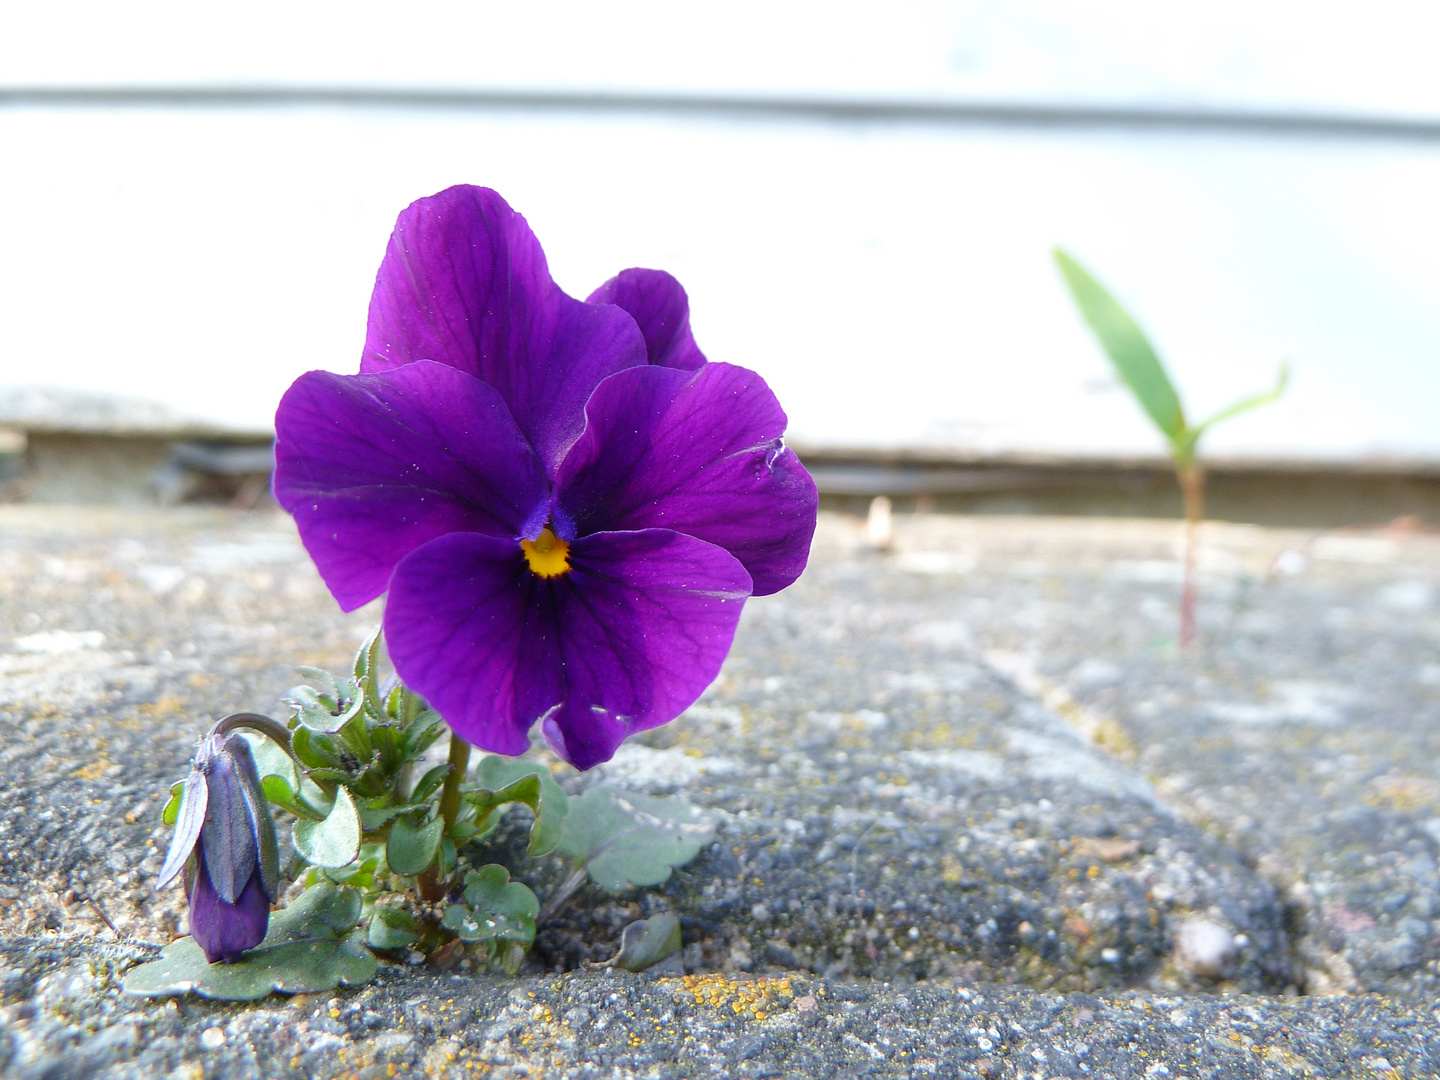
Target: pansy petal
(698, 452)
(659, 306)
(224, 930)
(624, 640)
(194, 800)
(373, 466)
(228, 836)
(464, 282)
(455, 623)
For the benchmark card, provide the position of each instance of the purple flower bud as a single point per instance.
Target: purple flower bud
(224, 930)
(225, 841)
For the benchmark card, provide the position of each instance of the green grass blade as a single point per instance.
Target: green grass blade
(1128, 348)
(1253, 401)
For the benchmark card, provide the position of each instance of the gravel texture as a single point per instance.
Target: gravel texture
(977, 814)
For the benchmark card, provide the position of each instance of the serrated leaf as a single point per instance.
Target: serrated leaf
(645, 943)
(622, 839)
(495, 772)
(334, 842)
(367, 676)
(306, 951)
(366, 667)
(411, 849)
(422, 733)
(395, 701)
(1127, 346)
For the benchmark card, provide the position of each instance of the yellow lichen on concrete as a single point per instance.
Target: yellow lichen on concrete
(94, 770)
(752, 997)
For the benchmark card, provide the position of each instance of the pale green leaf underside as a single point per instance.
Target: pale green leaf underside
(624, 839)
(334, 842)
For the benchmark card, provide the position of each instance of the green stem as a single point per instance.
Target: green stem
(450, 794)
(1192, 486)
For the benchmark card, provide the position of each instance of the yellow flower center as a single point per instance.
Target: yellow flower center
(547, 554)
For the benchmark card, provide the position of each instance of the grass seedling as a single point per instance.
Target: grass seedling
(1140, 369)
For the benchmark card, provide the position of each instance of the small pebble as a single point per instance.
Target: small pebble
(212, 1038)
(1203, 948)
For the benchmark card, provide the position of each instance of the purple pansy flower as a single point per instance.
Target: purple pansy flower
(567, 504)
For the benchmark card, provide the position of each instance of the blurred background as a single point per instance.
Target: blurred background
(861, 200)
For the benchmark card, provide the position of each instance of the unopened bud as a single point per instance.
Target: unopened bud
(225, 842)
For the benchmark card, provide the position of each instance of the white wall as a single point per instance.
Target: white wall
(891, 280)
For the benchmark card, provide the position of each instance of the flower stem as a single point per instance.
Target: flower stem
(450, 794)
(1192, 486)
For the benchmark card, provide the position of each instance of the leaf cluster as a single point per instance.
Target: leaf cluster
(367, 829)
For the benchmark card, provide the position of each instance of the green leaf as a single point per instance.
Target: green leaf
(360, 873)
(330, 906)
(429, 783)
(495, 773)
(315, 750)
(367, 659)
(525, 791)
(494, 908)
(171, 810)
(271, 760)
(1128, 348)
(306, 951)
(422, 733)
(467, 824)
(324, 714)
(392, 928)
(321, 678)
(334, 842)
(645, 943)
(1252, 401)
(622, 839)
(448, 856)
(411, 850)
(281, 794)
(372, 817)
(367, 675)
(334, 776)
